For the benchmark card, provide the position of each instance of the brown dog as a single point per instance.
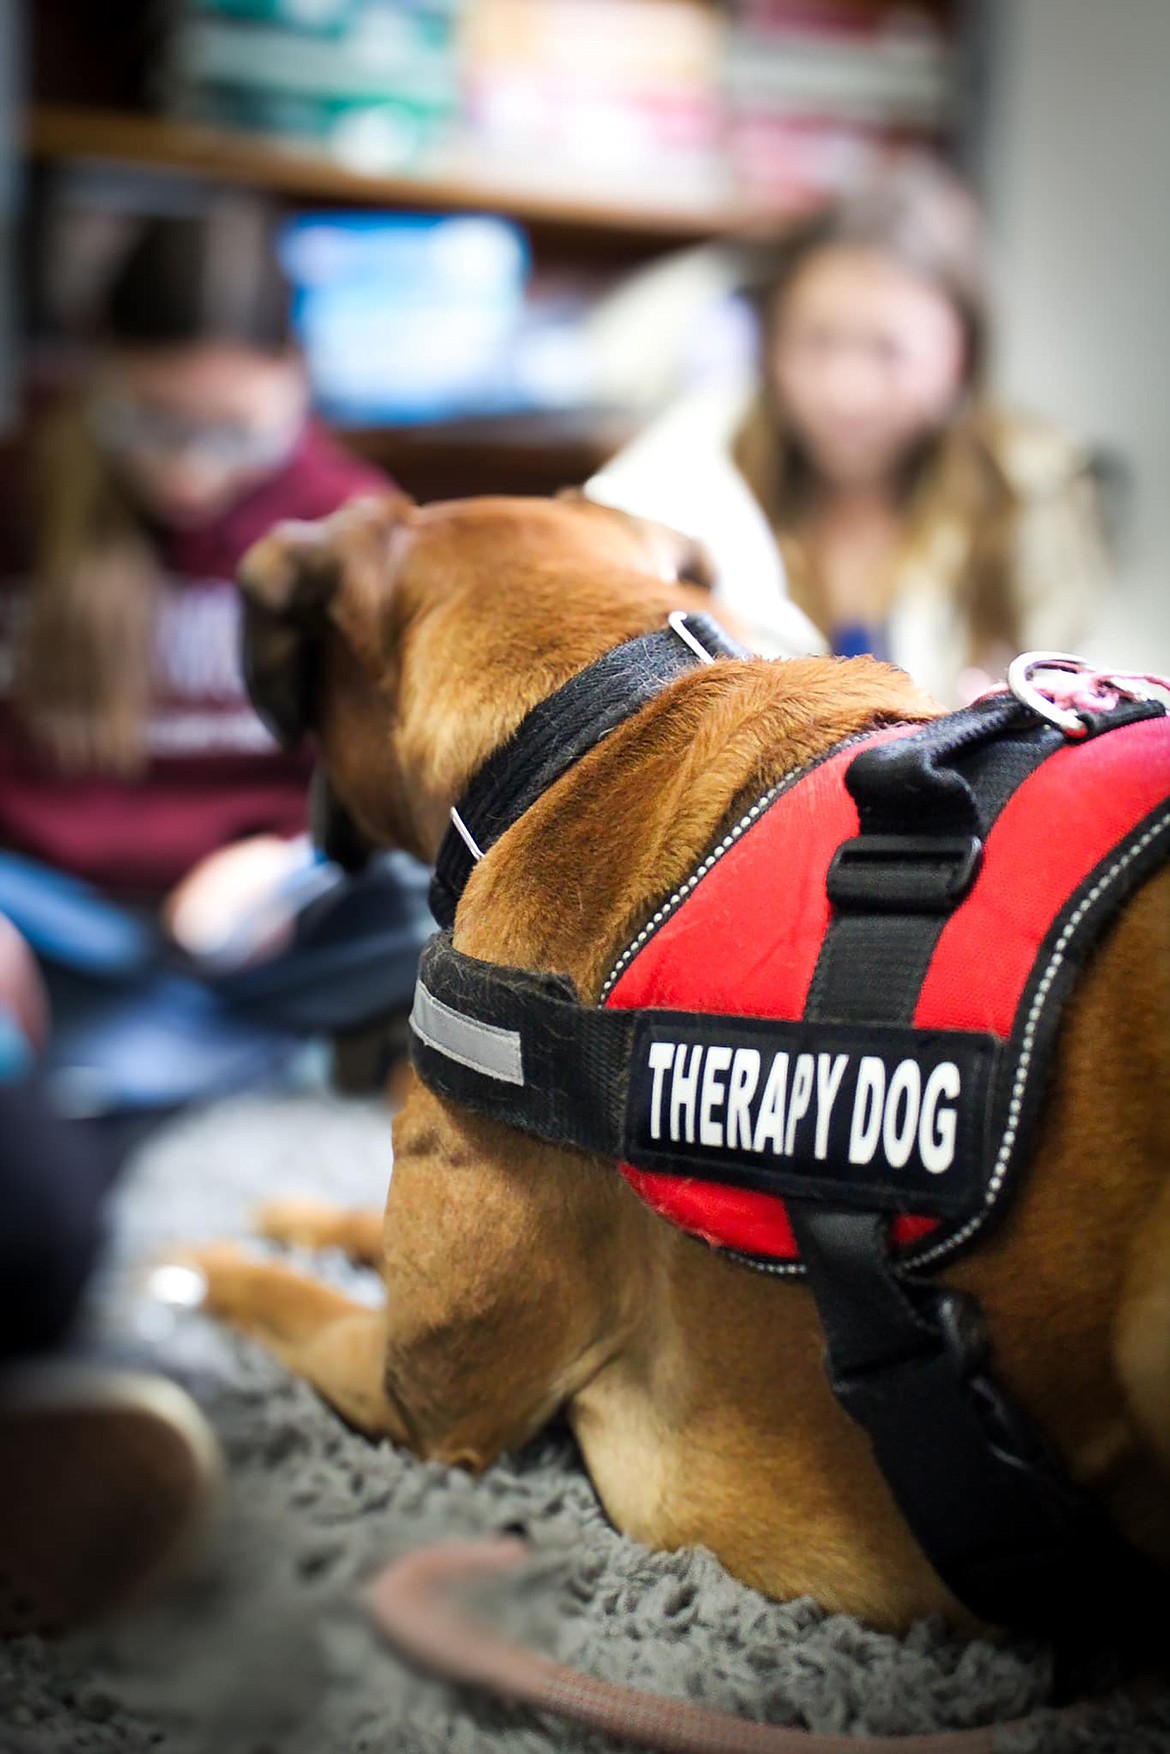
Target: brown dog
(521, 1279)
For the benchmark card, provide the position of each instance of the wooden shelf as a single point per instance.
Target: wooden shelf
(504, 453)
(57, 133)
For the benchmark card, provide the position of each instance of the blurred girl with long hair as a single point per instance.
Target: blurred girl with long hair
(865, 475)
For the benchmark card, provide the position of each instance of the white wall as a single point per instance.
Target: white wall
(1078, 185)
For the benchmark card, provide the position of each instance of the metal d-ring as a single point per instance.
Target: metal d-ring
(1019, 680)
(677, 622)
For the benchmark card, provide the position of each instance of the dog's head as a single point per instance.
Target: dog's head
(371, 631)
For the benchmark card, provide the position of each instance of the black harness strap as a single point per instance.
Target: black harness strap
(521, 1048)
(917, 854)
(555, 735)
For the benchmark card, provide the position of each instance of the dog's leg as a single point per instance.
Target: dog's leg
(316, 1224)
(510, 1281)
(502, 1294)
(336, 1344)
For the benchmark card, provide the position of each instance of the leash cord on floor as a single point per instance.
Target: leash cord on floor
(411, 1605)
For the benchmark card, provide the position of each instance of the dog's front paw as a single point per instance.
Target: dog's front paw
(315, 1224)
(203, 1277)
(298, 1223)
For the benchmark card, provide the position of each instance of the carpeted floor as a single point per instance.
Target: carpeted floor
(264, 1649)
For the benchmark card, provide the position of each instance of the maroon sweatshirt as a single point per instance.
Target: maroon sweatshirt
(214, 774)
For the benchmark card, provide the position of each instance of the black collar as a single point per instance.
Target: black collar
(558, 732)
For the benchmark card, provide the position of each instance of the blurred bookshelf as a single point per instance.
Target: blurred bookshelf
(641, 123)
(604, 135)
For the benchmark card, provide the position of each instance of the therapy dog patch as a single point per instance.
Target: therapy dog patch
(815, 1109)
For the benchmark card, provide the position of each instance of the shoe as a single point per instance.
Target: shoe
(106, 1477)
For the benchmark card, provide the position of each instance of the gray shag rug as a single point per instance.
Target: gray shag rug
(263, 1648)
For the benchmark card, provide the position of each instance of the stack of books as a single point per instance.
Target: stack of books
(617, 97)
(373, 83)
(819, 91)
(407, 317)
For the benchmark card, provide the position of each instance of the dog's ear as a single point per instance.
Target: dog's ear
(287, 579)
(672, 555)
(676, 557)
(691, 559)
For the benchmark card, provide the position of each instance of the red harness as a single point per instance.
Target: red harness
(743, 935)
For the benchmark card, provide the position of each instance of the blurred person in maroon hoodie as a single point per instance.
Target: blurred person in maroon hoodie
(128, 749)
(133, 769)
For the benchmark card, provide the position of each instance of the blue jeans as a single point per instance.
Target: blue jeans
(137, 1025)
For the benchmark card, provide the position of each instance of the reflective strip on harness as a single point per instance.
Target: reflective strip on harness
(481, 1047)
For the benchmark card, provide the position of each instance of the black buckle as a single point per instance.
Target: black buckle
(953, 1340)
(955, 1349)
(955, 1356)
(903, 873)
